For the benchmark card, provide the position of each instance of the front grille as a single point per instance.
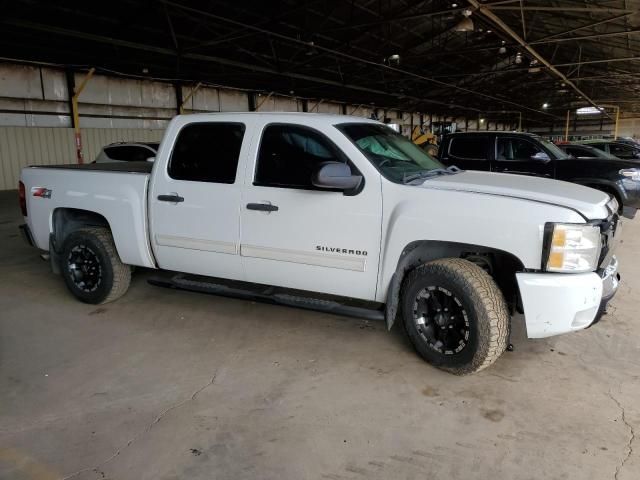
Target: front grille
(608, 231)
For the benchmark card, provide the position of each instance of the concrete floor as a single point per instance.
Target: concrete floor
(174, 385)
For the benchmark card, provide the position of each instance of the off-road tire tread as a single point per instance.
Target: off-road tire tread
(121, 272)
(492, 312)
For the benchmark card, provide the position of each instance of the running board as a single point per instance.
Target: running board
(267, 295)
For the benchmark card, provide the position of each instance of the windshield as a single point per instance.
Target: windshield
(395, 156)
(554, 149)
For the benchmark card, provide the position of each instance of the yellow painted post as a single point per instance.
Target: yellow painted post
(76, 115)
(188, 97)
(566, 128)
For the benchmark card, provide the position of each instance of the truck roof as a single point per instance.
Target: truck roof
(492, 132)
(309, 118)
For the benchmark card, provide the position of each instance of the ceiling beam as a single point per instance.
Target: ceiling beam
(585, 37)
(603, 60)
(559, 9)
(492, 17)
(225, 61)
(402, 18)
(583, 27)
(358, 59)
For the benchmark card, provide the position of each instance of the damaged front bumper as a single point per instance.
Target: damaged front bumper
(556, 303)
(610, 283)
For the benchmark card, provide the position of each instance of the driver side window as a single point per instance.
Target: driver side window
(289, 154)
(516, 149)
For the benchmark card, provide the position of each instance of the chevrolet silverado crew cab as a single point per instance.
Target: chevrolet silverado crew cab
(334, 213)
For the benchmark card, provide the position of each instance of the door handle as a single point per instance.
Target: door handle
(262, 207)
(173, 198)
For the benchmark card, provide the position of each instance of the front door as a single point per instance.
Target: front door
(522, 156)
(195, 201)
(298, 236)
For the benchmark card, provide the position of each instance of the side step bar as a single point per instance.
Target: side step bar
(267, 295)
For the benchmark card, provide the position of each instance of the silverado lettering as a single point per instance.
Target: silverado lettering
(340, 250)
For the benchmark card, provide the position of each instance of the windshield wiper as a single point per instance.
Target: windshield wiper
(431, 173)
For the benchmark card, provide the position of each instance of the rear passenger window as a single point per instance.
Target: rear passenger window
(207, 152)
(289, 154)
(469, 148)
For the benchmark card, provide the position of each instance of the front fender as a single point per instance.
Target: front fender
(494, 222)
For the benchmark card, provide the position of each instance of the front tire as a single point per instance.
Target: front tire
(92, 268)
(455, 315)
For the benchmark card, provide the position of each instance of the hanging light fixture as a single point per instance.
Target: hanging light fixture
(466, 24)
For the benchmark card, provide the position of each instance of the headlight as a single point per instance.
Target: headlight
(571, 247)
(632, 173)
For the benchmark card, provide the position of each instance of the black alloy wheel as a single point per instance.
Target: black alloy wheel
(84, 268)
(441, 320)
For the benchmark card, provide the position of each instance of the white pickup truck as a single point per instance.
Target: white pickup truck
(347, 212)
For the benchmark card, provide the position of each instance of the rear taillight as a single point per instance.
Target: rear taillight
(22, 196)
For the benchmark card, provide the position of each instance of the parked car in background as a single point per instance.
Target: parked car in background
(127, 152)
(528, 154)
(585, 152)
(629, 141)
(618, 149)
(338, 208)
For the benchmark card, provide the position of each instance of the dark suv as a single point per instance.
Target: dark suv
(623, 150)
(528, 154)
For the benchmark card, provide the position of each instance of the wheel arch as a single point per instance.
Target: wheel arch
(504, 266)
(65, 221)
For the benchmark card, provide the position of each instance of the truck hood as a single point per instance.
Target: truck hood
(587, 201)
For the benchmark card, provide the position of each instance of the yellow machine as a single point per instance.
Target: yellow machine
(426, 140)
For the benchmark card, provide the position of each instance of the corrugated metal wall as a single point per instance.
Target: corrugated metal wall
(22, 146)
(35, 117)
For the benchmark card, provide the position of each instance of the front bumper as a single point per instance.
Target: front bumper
(556, 303)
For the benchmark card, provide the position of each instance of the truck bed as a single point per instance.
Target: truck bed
(116, 191)
(123, 167)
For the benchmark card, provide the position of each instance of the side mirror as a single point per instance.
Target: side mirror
(335, 175)
(151, 159)
(541, 157)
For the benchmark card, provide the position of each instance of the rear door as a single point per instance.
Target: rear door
(298, 236)
(195, 201)
(469, 152)
(523, 156)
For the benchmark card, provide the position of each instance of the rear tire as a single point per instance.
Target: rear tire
(92, 268)
(455, 315)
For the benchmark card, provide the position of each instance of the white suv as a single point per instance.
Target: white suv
(127, 152)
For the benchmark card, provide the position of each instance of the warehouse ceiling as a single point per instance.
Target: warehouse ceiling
(464, 57)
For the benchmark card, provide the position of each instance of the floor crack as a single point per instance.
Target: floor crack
(146, 429)
(632, 435)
